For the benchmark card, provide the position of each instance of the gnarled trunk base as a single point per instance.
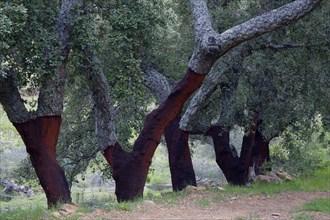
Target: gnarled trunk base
(130, 172)
(40, 136)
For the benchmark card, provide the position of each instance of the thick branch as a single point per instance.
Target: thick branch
(189, 121)
(211, 45)
(264, 23)
(104, 113)
(11, 101)
(157, 84)
(51, 95)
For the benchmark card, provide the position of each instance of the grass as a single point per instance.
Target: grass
(36, 208)
(32, 212)
(319, 181)
(317, 205)
(203, 203)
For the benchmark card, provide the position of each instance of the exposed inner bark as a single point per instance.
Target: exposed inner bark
(40, 136)
(181, 167)
(260, 153)
(235, 169)
(130, 169)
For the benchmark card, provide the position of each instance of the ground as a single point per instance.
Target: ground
(204, 205)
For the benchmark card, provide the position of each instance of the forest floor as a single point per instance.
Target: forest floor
(201, 204)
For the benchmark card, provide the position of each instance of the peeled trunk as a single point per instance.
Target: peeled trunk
(235, 169)
(130, 169)
(230, 165)
(40, 136)
(181, 167)
(260, 153)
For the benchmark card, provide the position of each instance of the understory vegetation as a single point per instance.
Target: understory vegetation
(91, 192)
(101, 198)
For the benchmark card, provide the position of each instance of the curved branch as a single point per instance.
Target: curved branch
(105, 128)
(156, 83)
(211, 45)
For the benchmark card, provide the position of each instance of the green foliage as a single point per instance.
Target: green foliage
(29, 43)
(9, 137)
(24, 173)
(318, 205)
(302, 150)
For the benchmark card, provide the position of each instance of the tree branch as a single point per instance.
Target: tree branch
(11, 100)
(156, 83)
(210, 45)
(105, 128)
(50, 101)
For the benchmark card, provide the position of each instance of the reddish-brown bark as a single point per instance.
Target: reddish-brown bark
(130, 169)
(181, 167)
(235, 169)
(40, 136)
(260, 153)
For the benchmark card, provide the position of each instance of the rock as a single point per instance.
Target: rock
(221, 188)
(275, 178)
(276, 214)
(190, 188)
(284, 176)
(270, 178)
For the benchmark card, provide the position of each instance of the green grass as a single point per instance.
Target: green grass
(203, 203)
(319, 181)
(27, 213)
(318, 205)
(24, 208)
(302, 216)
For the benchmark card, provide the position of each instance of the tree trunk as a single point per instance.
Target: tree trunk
(182, 171)
(40, 136)
(181, 167)
(230, 165)
(130, 169)
(235, 169)
(260, 153)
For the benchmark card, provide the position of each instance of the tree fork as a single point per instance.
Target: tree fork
(235, 169)
(130, 169)
(40, 136)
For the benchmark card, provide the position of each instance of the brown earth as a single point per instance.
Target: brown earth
(205, 205)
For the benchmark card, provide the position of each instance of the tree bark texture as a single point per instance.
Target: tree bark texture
(235, 169)
(130, 169)
(181, 167)
(40, 136)
(260, 153)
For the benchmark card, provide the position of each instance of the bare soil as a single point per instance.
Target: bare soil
(204, 205)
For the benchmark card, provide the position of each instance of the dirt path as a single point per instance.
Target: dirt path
(201, 205)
